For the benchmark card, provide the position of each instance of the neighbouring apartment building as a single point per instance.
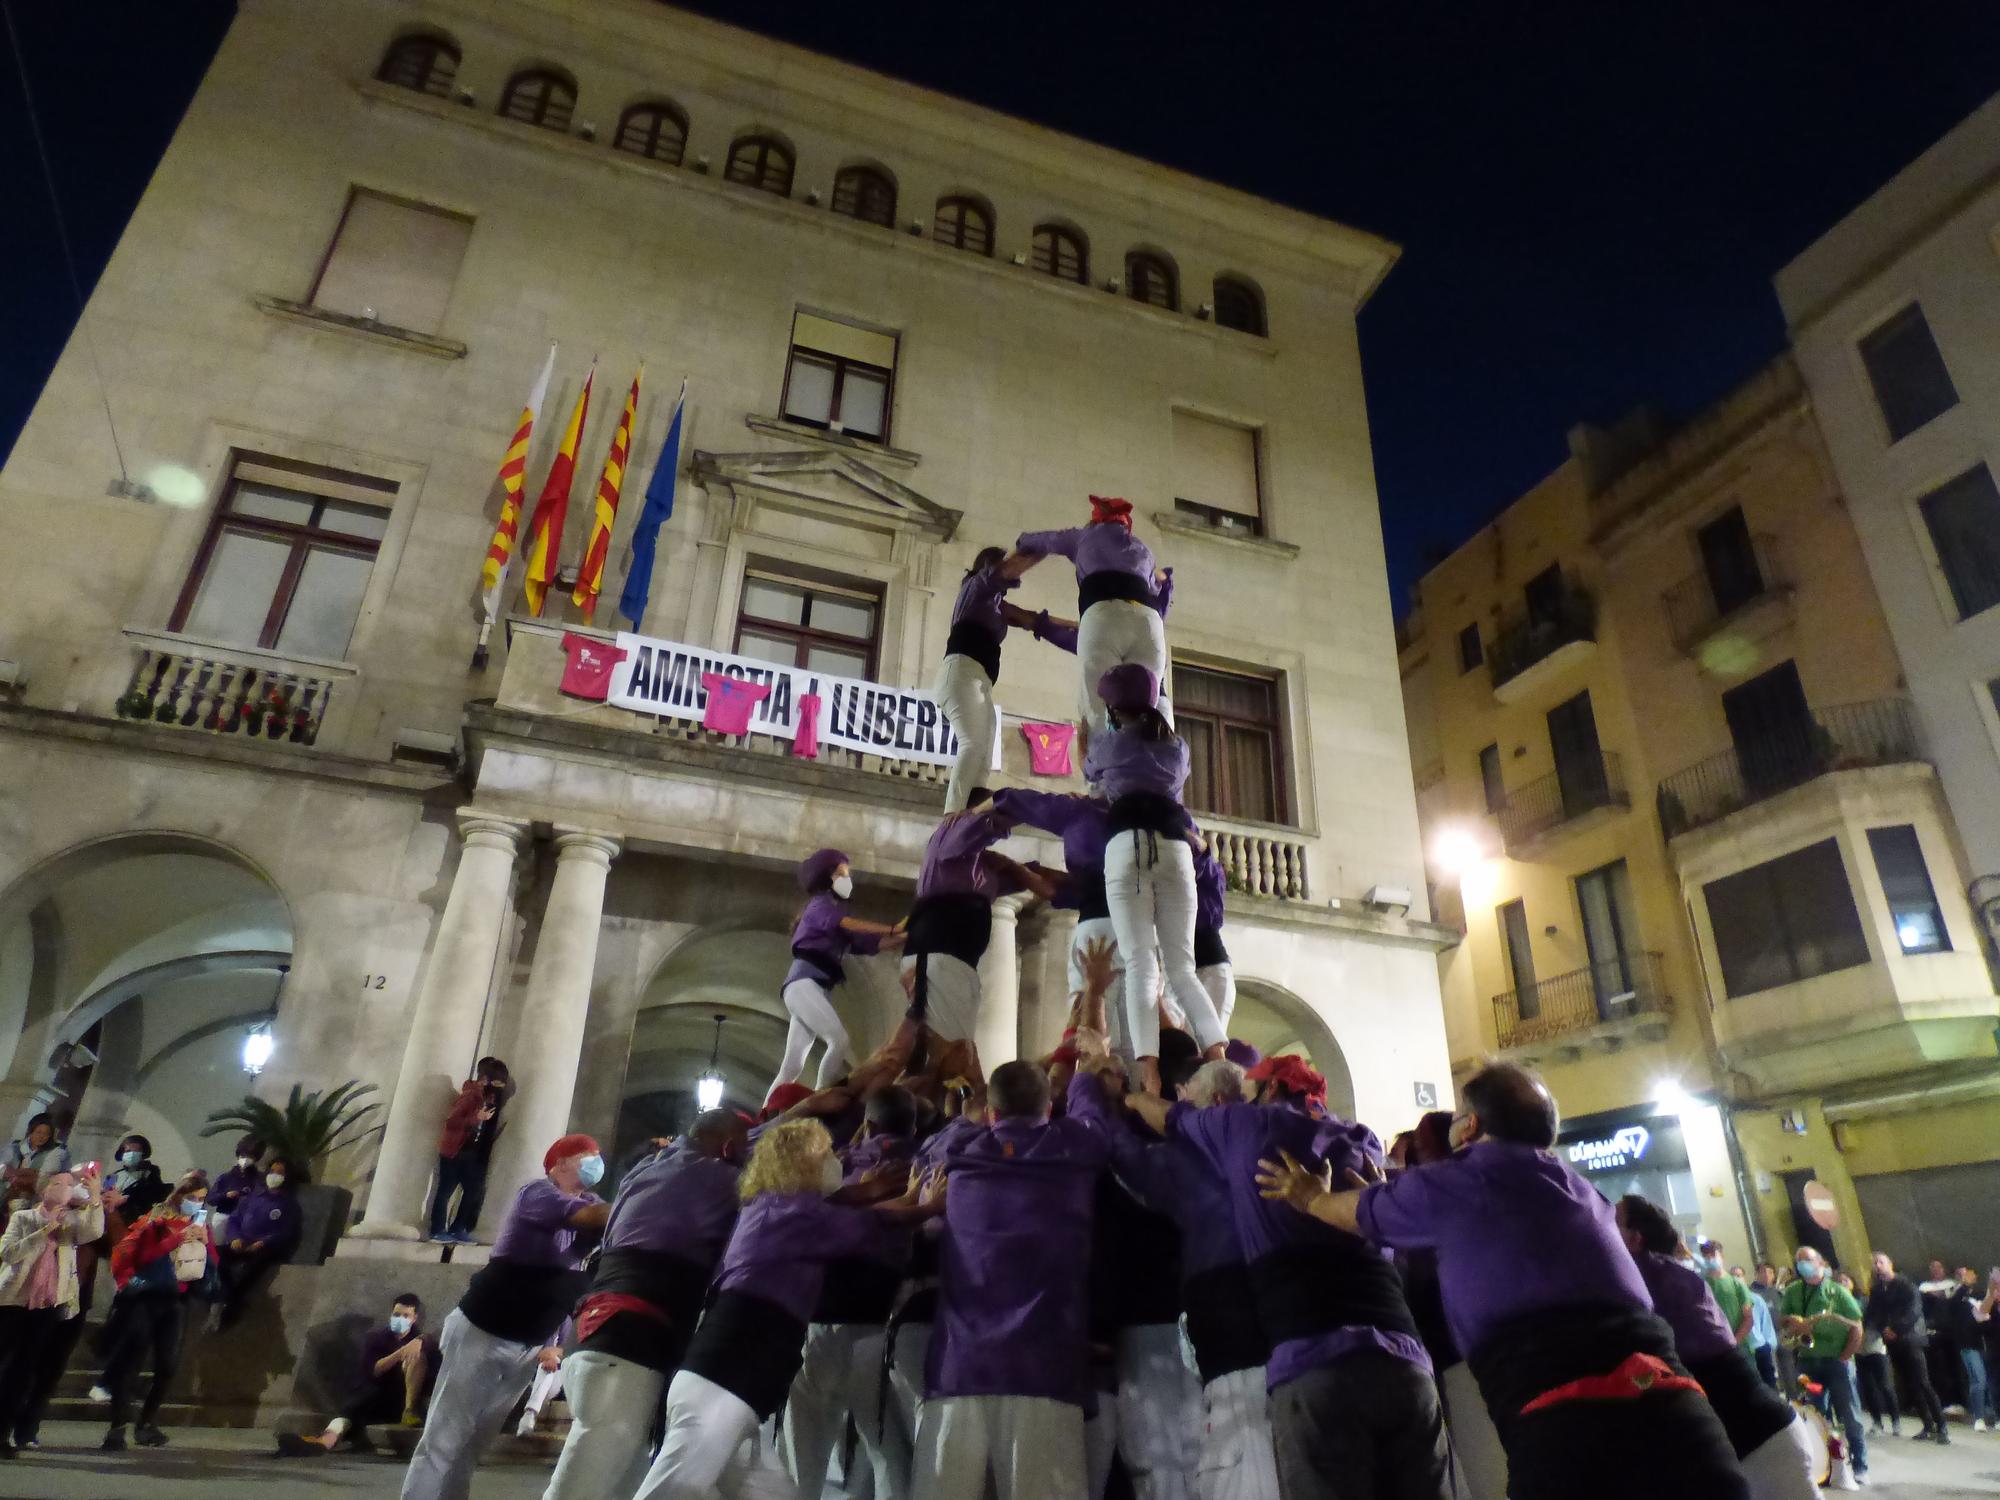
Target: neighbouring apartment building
(251, 780)
(1679, 800)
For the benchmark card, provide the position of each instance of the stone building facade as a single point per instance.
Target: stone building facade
(250, 777)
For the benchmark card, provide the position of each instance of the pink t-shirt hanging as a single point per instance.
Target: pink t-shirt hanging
(805, 743)
(1048, 748)
(587, 673)
(730, 701)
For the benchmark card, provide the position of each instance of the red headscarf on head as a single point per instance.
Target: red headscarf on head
(1105, 508)
(783, 1097)
(1294, 1075)
(564, 1149)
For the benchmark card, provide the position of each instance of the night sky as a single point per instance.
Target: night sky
(1591, 195)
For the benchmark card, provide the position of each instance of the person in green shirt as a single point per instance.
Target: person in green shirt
(1730, 1294)
(1822, 1320)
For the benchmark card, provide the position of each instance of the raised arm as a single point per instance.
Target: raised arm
(1057, 631)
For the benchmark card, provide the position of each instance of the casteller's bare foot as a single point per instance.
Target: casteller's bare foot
(1149, 1075)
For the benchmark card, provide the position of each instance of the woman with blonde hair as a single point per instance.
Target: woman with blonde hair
(742, 1358)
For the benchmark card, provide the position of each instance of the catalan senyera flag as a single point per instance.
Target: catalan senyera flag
(513, 475)
(545, 530)
(610, 481)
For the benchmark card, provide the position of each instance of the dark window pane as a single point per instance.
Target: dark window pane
(421, 63)
(1490, 781)
(1964, 521)
(1730, 561)
(652, 130)
(758, 161)
(865, 194)
(1200, 794)
(1470, 652)
(1519, 949)
(964, 225)
(1789, 919)
(539, 98)
(1150, 280)
(1059, 253)
(1913, 907)
(1253, 773)
(1911, 382)
(1238, 306)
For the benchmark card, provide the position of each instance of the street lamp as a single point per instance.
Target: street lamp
(257, 1048)
(708, 1087)
(1458, 849)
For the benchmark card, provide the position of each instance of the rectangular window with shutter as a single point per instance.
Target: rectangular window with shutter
(840, 377)
(1216, 474)
(286, 560)
(1236, 755)
(392, 261)
(1788, 919)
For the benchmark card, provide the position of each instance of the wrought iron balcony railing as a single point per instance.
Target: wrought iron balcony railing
(1622, 988)
(1562, 797)
(1526, 639)
(1880, 733)
(1698, 604)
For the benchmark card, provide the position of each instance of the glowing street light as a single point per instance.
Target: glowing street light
(1458, 849)
(1670, 1098)
(258, 1047)
(708, 1087)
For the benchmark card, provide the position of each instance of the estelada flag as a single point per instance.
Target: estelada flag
(590, 577)
(545, 530)
(513, 475)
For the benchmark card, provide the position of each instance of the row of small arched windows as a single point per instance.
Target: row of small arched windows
(657, 130)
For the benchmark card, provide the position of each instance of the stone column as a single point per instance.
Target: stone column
(998, 1034)
(552, 1020)
(444, 1027)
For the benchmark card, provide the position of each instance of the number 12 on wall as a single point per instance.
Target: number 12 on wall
(374, 981)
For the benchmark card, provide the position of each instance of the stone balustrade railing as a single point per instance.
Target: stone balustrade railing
(1261, 864)
(217, 692)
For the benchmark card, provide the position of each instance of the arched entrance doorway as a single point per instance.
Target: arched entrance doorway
(1275, 1021)
(130, 972)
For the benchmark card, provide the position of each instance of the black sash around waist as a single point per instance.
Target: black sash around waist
(1527, 1356)
(1306, 1290)
(749, 1346)
(1111, 583)
(828, 971)
(1154, 812)
(672, 1283)
(957, 923)
(1088, 885)
(1222, 1322)
(974, 641)
(1751, 1412)
(523, 1304)
(1208, 947)
(857, 1290)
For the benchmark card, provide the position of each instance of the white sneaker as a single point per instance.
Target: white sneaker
(1842, 1477)
(1979, 1424)
(526, 1426)
(100, 1395)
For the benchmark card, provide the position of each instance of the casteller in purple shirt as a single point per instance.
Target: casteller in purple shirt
(1121, 762)
(1104, 547)
(680, 1201)
(267, 1216)
(819, 942)
(784, 1240)
(1681, 1296)
(1515, 1231)
(536, 1231)
(954, 862)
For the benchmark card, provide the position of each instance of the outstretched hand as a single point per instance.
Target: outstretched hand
(1290, 1183)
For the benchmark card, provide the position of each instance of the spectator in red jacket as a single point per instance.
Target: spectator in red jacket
(465, 1147)
(164, 1254)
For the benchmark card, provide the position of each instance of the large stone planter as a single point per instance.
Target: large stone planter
(323, 1214)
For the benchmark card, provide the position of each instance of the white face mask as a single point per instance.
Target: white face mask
(843, 886)
(274, 1179)
(829, 1176)
(246, 1162)
(79, 1194)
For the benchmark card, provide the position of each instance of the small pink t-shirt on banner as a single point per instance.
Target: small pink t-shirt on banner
(587, 674)
(805, 743)
(1048, 748)
(730, 700)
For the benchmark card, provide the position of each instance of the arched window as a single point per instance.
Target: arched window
(656, 131)
(964, 224)
(762, 162)
(1239, 305)
(1149, 278)
(1059, 252)
(539, 96)
(427, 64)
(867, 194)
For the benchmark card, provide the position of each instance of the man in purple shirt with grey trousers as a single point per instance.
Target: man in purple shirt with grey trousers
(1582, 1380)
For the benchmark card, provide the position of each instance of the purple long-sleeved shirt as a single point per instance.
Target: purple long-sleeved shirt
(1082, 823)
(783, 1241)
(1012, 1316)
(818, 933)
(270, 1215)
(1232, 1138)
(1515, 1231)
(1170, 1177)
(1211, 884)
(232, 1187)
(979, 599)
(1682, 1297)
(1121, 762)
(1106, 547)
(953, 863)
(872, 1151)
(536, 1231)
(680, 1202)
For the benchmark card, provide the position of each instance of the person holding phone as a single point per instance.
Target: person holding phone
(165, 1253)
(39, 1285)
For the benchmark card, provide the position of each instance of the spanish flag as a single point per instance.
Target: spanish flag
(513, 474)
(545, 531)
(590, 577)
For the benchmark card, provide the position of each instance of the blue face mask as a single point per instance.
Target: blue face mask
(398, 1324)
(590, 1170)
(1810, 1270)
(132, 1159)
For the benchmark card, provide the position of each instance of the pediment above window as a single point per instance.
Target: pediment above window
(831, 486)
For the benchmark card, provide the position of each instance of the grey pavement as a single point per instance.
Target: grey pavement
(213, 1463)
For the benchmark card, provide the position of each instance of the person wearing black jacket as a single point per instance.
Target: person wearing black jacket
(1964, 1331)
(1896, 1311)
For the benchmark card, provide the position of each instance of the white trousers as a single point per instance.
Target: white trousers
(953, 987)
(1094, 930)
(813, 1020)
(1031, 1447)
(1783, 1465)
(714, 1446)
(906, 1381)
(965, 693)
(1149, 886)
(1237, 1460)
(1478, 1462)
(1159, 1412)
(611, 1405)
(841, 1373)
(479, 1377)
(1111, 633)
(1220, 982)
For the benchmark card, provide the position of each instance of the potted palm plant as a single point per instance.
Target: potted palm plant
(305, 1131)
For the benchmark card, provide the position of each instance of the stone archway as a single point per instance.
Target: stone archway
(130, 970)
(1274, 1020)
